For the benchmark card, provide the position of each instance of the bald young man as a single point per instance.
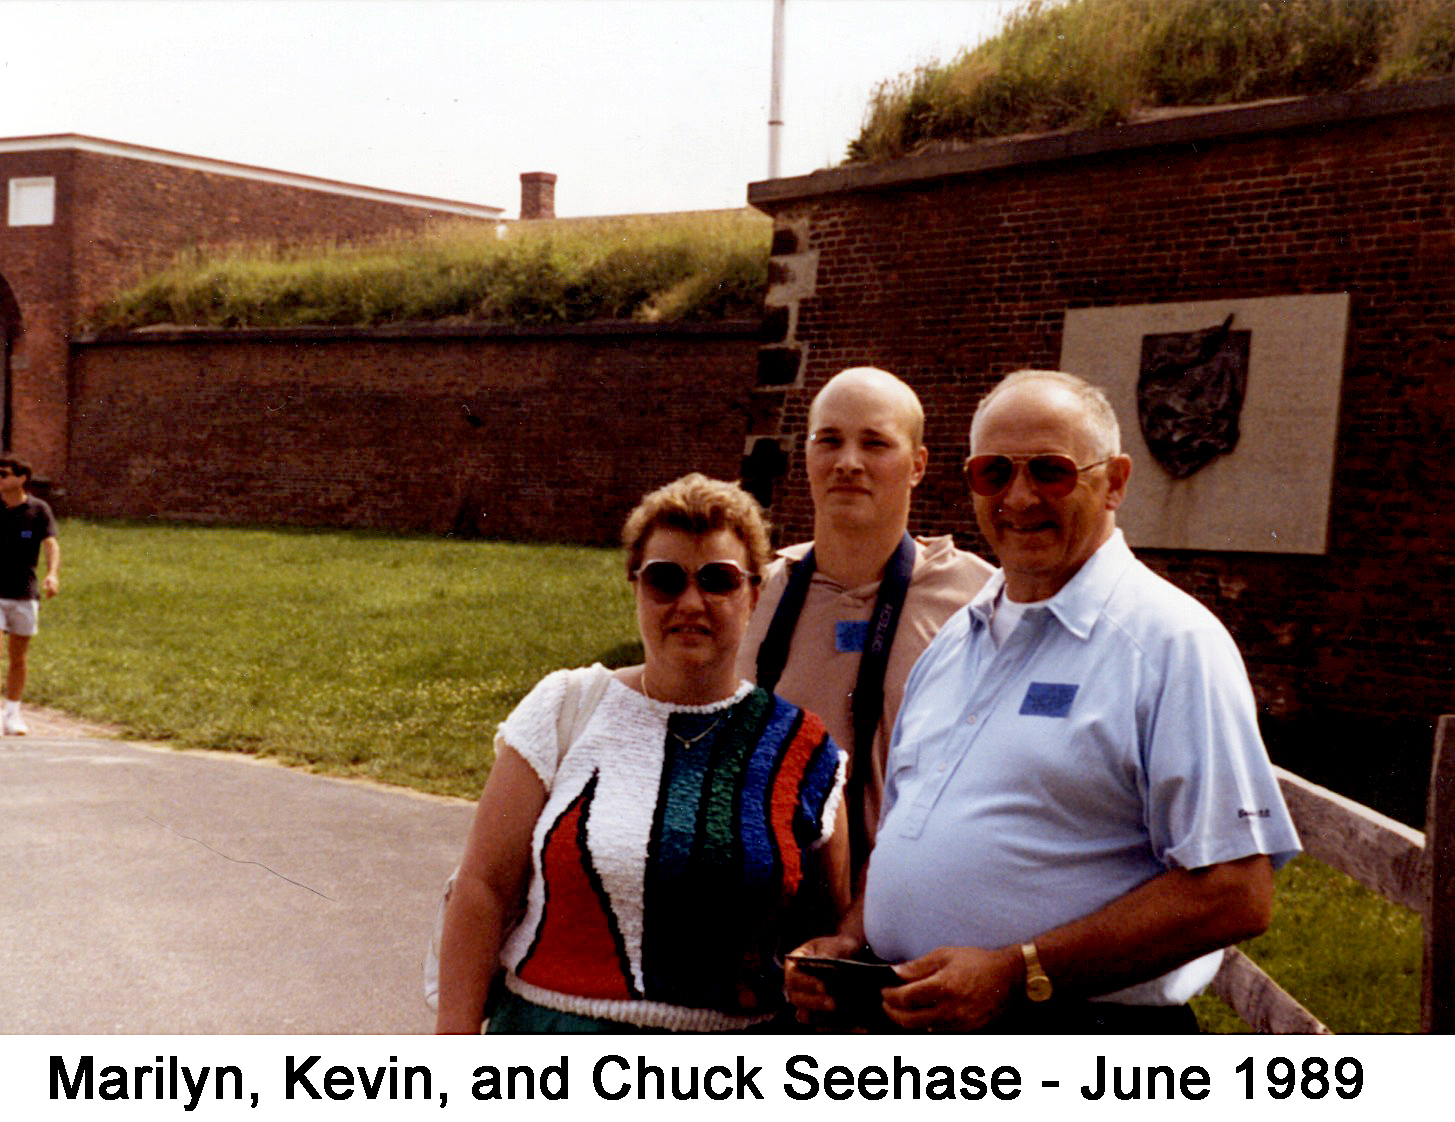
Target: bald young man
(861, 578)
(1080, 812)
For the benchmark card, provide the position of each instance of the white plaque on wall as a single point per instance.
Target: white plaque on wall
(1262, 485)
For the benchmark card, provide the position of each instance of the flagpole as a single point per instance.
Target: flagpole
(775, 97)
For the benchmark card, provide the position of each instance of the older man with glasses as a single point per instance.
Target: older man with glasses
(1079, 812)
(27, 527)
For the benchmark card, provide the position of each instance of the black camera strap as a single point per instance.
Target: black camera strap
(867, 700)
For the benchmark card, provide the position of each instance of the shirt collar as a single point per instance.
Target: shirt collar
(1079, 604)
(793, 554)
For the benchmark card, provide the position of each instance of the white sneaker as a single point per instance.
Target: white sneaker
(15, 725)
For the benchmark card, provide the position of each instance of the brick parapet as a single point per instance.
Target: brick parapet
(133, 216)
(1176, 127)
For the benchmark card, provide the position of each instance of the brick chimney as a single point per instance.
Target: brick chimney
(537, 194)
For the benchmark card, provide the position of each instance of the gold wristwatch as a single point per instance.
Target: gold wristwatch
(1038, 986)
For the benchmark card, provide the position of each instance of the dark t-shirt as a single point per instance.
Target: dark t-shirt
(22, 529)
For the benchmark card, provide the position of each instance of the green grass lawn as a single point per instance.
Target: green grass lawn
(375, 655)
(393, 657)
(1351, 958)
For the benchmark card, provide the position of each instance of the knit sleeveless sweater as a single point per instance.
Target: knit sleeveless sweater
(671, 846)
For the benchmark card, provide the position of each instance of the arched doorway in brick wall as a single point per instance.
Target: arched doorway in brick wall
(10, 328)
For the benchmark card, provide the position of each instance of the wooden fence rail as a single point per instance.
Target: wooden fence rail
(1413, 869)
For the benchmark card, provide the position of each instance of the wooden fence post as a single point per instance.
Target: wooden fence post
(1437, 994)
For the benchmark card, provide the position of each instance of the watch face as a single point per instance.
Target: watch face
(1038, 987)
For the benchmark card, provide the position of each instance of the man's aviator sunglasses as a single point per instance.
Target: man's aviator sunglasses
(1055, 476)
(667, 580)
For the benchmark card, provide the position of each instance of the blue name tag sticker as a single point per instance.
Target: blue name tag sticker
(1048, 699)
(851, 635)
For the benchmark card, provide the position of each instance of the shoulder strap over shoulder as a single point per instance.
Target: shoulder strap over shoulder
(584, 687)
(867, 701)
(773, 651)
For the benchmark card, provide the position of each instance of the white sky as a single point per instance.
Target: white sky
(637, 105)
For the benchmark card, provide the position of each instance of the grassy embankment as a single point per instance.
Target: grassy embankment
(1076, 64)
(1087, 63)
(392, 657)
(650, 268)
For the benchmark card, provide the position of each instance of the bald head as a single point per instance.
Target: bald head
(1098, 420)
(870, 384)
(864, 456)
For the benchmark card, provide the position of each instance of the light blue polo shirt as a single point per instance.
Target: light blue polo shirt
(1112, 737)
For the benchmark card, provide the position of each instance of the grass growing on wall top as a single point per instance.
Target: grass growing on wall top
(650, 268)
(1085, 63)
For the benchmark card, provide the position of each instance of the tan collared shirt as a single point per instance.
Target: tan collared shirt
(823, 659)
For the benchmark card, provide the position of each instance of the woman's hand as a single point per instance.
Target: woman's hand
(805, 991)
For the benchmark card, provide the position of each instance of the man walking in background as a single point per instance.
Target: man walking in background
(27, 527)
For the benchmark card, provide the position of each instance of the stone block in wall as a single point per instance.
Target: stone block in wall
(775, 325)
(778, 366)
(762, 467)
(765, 411)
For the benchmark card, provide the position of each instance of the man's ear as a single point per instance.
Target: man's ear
(1118, 472)
(921, 461)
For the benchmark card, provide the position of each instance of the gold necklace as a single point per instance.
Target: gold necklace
(692, 741)
(687, 742)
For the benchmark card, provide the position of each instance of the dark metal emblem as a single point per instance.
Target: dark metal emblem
(1190, 394)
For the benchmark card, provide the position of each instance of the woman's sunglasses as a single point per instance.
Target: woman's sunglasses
(1054, 476)
(667, 580)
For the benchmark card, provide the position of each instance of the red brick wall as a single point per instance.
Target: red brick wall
(374, 429)
(34, 260)
(118, 216)
(951, 278)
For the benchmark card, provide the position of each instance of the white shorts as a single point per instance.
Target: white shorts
(19, 617)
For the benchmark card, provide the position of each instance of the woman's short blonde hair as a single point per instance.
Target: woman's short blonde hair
(698, 505)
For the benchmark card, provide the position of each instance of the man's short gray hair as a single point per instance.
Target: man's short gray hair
(1101, 418)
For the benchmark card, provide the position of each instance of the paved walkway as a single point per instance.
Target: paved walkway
(147, 890)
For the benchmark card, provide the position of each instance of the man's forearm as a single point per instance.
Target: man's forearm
(1168, 921)
(52, 550)
(1156, 927)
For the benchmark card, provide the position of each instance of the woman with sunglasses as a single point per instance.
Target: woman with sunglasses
(650, 842)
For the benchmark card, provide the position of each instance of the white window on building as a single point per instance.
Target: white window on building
(33, 201)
